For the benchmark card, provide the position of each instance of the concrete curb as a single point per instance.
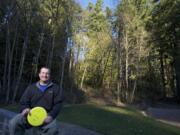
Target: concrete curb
(64, 128)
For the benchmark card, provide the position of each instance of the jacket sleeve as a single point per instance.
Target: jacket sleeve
(25, 100)
(57, 102)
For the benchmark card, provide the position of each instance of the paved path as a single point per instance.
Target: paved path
(167, 115)
(64, 128)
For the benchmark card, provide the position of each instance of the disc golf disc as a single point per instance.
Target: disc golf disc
(36, 116)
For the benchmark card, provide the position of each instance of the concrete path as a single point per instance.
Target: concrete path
(167, 115)
(64, 128)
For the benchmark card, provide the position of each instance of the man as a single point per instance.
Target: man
(45, 94)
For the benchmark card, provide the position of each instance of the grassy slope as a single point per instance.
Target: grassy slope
(112, 120)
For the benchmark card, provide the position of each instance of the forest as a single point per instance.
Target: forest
(127, 55)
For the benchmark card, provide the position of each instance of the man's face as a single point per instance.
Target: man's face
(44, 75)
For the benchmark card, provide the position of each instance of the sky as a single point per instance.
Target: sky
(106, 3)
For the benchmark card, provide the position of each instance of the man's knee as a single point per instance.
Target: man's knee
(16, 120)
(14, 124)
(51, 128)
(19, 121)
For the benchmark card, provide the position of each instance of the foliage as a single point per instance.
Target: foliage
(125, 55)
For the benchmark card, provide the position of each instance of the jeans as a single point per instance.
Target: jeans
(19, 126)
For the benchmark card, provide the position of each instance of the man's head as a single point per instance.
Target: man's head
(44, 74)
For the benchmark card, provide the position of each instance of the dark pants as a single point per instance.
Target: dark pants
(18, 126)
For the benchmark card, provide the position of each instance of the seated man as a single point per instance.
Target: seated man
(43, 93)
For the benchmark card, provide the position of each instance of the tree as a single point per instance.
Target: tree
(165, 32)
(33, 34)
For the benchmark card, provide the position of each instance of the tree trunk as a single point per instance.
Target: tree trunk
(137, 74)
(62, 70)
(119, 70)
(6, 60)
(162, 73)
(139, 42)
(15, 67)
(36, 62)
(104, 69)
(118, 92)
(178, 84)
(21, 66)
(177, 73)
(82, 79)
(8, 46)
(51, 52)
(11, 55)
(76, 76)
(126, 66)
(38, 53)
(70, 61)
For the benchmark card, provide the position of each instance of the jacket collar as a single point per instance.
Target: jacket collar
(49, 85)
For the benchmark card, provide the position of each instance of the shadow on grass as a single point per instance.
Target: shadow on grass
(115, 120)
(110, 120)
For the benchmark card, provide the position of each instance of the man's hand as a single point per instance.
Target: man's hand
(25, 111)
(48, 119)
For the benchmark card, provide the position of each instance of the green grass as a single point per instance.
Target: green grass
(110, 120)
(10, 107)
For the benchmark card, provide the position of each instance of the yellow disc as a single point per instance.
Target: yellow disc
(36, 116)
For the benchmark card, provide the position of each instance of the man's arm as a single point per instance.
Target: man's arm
(25, 101)
(58, 102)
(55, 110)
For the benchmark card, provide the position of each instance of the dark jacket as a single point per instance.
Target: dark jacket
(51, 99)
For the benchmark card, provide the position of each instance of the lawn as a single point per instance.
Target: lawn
(110, 120)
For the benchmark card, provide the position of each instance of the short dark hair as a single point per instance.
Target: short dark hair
(45, 68)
